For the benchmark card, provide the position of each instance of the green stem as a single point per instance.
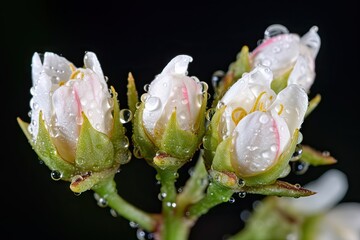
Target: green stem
(107, 190)
(215, 195)
(175, 225)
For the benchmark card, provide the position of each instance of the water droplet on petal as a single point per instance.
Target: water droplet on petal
(275, 30)
(152, 103)
(264, 118)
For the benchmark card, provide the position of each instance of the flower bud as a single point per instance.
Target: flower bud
(171, 116)
(290, 57)
(75, 127)
(254, 130)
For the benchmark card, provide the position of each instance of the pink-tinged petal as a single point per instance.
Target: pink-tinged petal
(291, 104)
(312, 41)
(94, 100)
(58, 68)
(67, 119)
(91, 62)
(278, 53)
(303, 73)
(173, 89)
(341, 222)
(330, 188)
(256, 145)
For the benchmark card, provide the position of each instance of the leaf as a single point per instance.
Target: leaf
(315, 157)
(279, 188)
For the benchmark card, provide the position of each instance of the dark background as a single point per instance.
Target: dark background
(143, 38)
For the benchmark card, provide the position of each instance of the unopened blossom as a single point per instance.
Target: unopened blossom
(171, 118)
(288, 53)
(62, 93)
(259, 123)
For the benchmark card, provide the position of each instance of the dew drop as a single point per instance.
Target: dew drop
(102, 202)
(113, 212)
(133, 224)
(146, 87)
(241, 182)
(231, 200)
(204, 87)
(297, 153)
(56, 175)
(325, 153)
(77, 193)
(299, 167)
(152, 103)
(242, 194)
(264, 118)
(275, 30)
(162, 196)
(210, 113)
(125, 116)
(140, 234)
(245, 215)
(216, 78)
(137, 153)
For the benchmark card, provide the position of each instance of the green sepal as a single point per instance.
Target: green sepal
(313, 103)
(242, 63)
(94, 150)
(226, 179)
(178, 143)
(118, 138)
(280, 82)
(165, 162)
(315, 157)
(83, 182)
(222, 158)
(280, 189)
(132, 94)
(212, 139)
(46, 150)
(141, 140)
(276, 171)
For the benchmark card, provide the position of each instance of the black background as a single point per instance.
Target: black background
(142, 38)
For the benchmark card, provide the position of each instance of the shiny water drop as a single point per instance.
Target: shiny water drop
(113, 212)
(125, 116)
(242, 194)
(152, 103)
(140, 234)
(204, 87)
(146, 87)
(162, 196)
(216, 78)
(297, 153)
(241, 182)
(231, 200)
(102, 202)
(56, 175)
(210, 113)
(299, 167)
(275, 30)
(264, 118)
(133, 224)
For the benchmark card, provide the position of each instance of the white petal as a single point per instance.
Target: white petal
(94, 100)
(330, 188)
(312, 41)
(58, 68)
(279, 53)
(291, 104)
(256, 143)
(303, 73)
(91, 62)
(178, 65)
(36, 68)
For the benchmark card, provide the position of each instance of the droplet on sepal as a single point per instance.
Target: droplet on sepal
(125, 116)
(299, 167)
(56, 175)
(297, 153)
(242, 194)
(216, 78)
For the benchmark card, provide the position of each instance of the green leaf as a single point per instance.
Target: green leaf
(95, 151)
(280, 189)
(315, 157)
